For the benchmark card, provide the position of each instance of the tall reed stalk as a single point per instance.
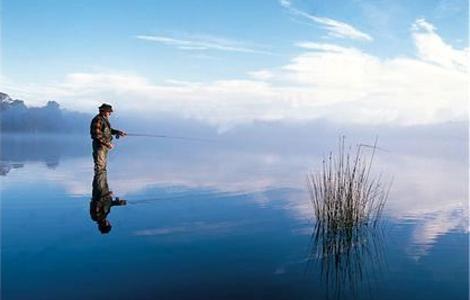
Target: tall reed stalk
(344, 193)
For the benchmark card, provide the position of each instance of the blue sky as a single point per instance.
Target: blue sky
(156, 44)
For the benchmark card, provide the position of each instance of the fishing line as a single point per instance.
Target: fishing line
(168, 137)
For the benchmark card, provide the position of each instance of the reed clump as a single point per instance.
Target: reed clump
(344, 193)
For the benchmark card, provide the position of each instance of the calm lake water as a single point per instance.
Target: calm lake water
(226, 220)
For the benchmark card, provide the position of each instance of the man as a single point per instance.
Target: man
(101, 202)
(102, 136)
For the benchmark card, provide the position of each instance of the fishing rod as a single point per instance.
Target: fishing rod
(166, 137)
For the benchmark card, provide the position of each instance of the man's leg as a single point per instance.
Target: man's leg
(100, 156)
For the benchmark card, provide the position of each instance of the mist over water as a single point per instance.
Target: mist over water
(230, 218)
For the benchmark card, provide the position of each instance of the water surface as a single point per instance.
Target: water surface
(226, 220)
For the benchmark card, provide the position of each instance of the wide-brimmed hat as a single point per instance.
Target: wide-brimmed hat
(106, 107)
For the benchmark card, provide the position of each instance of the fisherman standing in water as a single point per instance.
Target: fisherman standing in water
(102, 136)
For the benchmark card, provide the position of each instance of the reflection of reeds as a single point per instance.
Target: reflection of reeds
(344, 193)
(350, 260)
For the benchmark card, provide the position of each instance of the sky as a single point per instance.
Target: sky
(233, 62)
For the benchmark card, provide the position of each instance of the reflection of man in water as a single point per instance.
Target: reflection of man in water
(102, 136)
(102, 201)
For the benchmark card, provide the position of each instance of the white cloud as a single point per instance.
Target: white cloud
(261, 75)
(285, 3)
(340, 29)
(328, 81)
(422, 24)
(433, 49)
(324, 47)
(201, 43)
(335, 28)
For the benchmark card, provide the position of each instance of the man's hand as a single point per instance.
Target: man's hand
(120, 133)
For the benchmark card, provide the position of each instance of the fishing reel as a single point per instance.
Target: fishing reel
(118, 135)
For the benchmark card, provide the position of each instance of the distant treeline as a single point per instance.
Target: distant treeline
(16, 117)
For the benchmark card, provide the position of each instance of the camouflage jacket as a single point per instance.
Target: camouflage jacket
(101, 131)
